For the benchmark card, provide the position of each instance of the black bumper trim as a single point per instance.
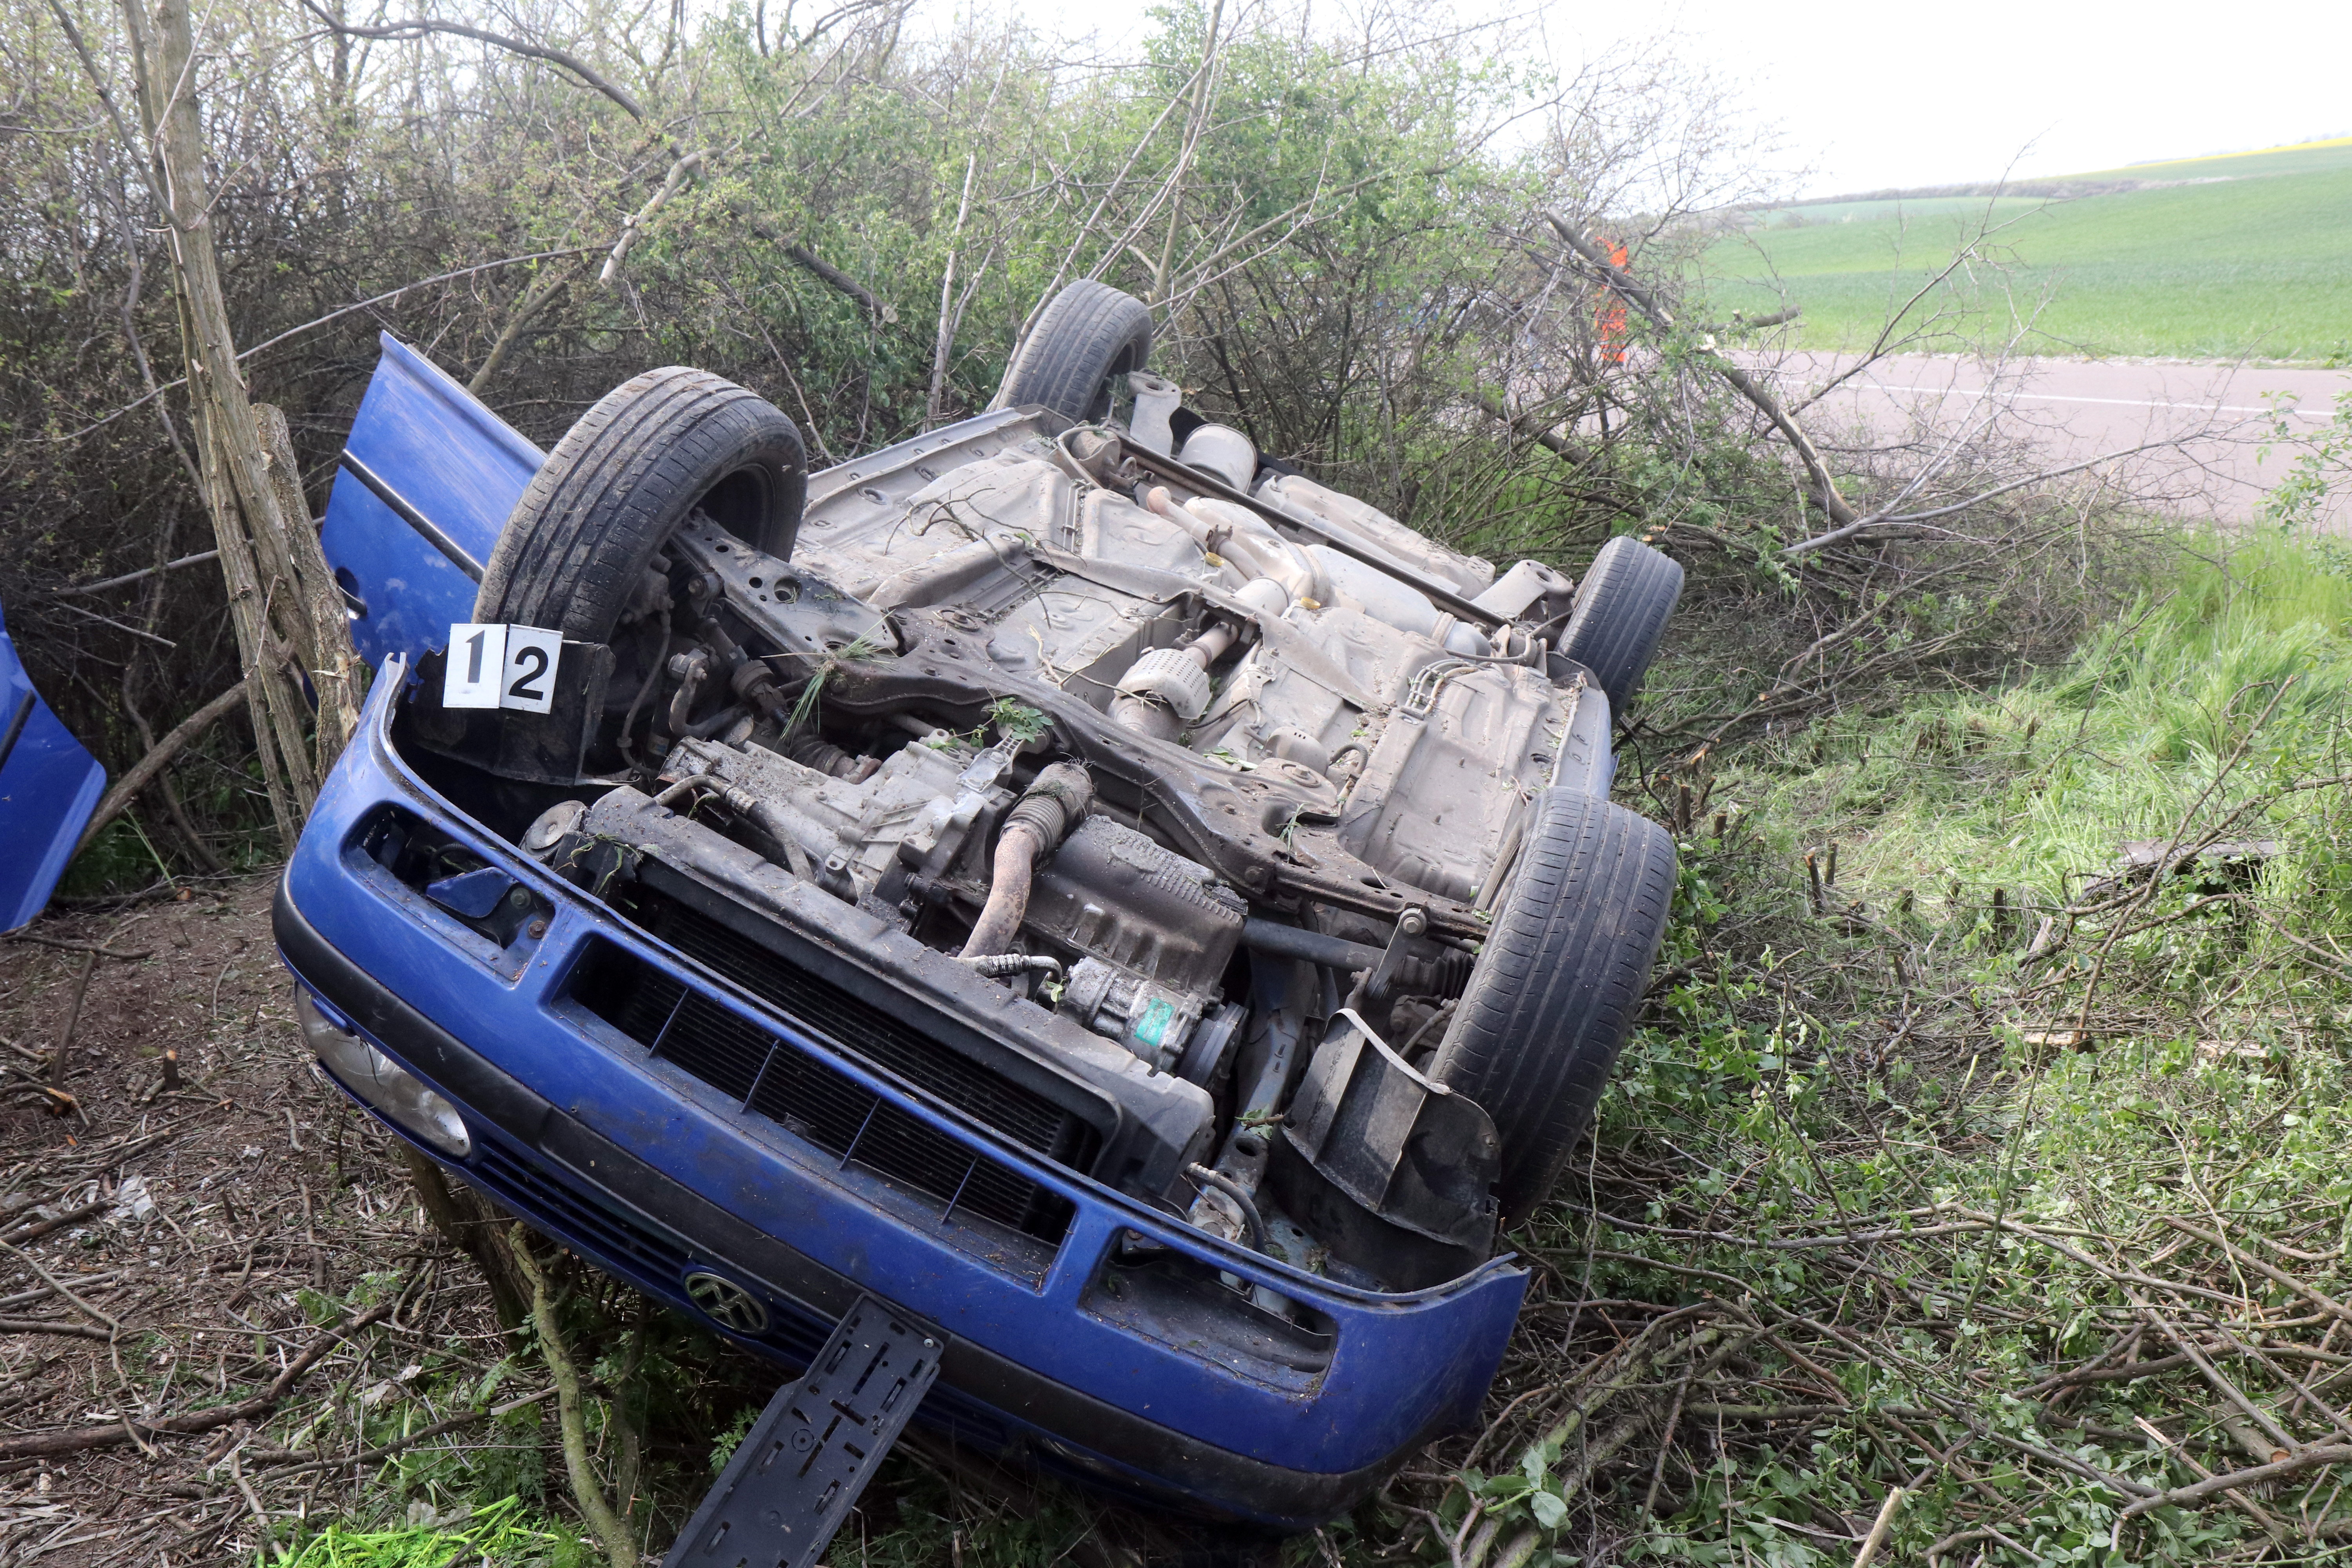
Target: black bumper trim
(1185, 1467)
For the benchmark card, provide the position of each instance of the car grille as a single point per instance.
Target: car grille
(632, 1246)
(774, 1079)
(523, 1181)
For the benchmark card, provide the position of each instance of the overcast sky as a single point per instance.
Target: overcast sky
(1870, 93)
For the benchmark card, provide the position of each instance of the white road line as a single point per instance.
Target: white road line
(2062, 397)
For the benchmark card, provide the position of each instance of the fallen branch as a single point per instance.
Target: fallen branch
(159, 757)
(2325, 1303)
(417, 27)
(113, 1325)
(809, 261)
(39, 1228)
(100, 587)
(1817, 472)
(535, 301)
(632, 227)
(1739, 323)
(1877, 1536)
(1550, 440)
(422, 1434)
(1764, 1412)
(64, 946)
(327, 320)
(74, 1440)
(54, 1326)
(66, 1030)
(2199, 1491)
(585, 1489)
(1915, 524)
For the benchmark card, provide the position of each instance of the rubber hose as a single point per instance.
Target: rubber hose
(1056, 803)
(1252, 1221)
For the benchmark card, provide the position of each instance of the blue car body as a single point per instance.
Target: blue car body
(1060, 1352)
(49, 786)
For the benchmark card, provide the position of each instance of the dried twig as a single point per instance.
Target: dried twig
(77, 1439)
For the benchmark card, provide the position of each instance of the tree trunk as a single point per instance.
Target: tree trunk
(281, 598)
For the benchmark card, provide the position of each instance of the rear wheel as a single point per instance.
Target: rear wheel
(1622, 609)
(1554, 997)
(655, 448)
(1079, 352)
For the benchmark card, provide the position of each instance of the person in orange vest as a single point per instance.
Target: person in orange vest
(1609, 314)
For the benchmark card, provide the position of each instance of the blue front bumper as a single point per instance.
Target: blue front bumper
(654, 1174)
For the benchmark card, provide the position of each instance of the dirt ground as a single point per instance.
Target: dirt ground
(217, 1241)
(241, 1266)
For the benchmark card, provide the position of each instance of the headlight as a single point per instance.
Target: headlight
(381, 1081)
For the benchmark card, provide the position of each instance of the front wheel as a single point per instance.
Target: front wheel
(655, 449)
(1553, 999)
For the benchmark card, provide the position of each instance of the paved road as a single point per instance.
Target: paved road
(2076, 409)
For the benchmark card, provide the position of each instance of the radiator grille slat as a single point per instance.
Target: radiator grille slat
(887, 1040)
(774, 1079)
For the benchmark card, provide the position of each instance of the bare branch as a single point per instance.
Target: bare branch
(418, 27)
(1824, 489)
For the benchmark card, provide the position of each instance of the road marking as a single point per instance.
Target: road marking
(2062, 397)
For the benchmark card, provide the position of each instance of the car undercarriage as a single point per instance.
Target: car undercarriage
(1110, 788)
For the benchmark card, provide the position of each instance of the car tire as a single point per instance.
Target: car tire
(1087, 339)
(655, 449)
(1553, 998)
(1622, 609)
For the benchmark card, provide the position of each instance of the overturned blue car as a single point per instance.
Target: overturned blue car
(1147, 917)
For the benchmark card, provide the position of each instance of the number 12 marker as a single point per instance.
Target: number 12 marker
(495, 666)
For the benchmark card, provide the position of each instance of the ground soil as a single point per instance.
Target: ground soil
(248, 1217)
(239, 1210)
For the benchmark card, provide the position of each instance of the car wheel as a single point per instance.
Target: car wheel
(1553, 999)
(655, 449)
(1622, 609)
(1087, 339)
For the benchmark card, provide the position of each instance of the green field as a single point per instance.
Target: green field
(2253, 257)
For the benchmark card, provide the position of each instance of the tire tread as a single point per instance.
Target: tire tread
(1076, 341)
(1555, 997)
(1622, 605)
(617, 484)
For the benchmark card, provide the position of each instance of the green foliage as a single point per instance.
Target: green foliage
(1899, 1062)
(1017, 722)
(2321, 460)
(500, 1533)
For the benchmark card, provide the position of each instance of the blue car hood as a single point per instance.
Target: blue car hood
(49, 787)
(427, 479)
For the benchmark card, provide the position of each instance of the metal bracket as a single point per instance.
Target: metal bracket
(1378, 986)
(813, 1449)
(790, 605)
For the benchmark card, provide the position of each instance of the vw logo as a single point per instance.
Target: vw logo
(730, 1305)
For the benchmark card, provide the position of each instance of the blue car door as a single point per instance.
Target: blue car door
(49, 787)
(427, 478)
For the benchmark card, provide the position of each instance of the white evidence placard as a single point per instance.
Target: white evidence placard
(478, 664)
(497, 666)
(530, 677)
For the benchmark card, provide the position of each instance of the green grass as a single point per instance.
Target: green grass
(2032, 788)
(2257, 263)
(501, 1532)
(2217, 1082)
